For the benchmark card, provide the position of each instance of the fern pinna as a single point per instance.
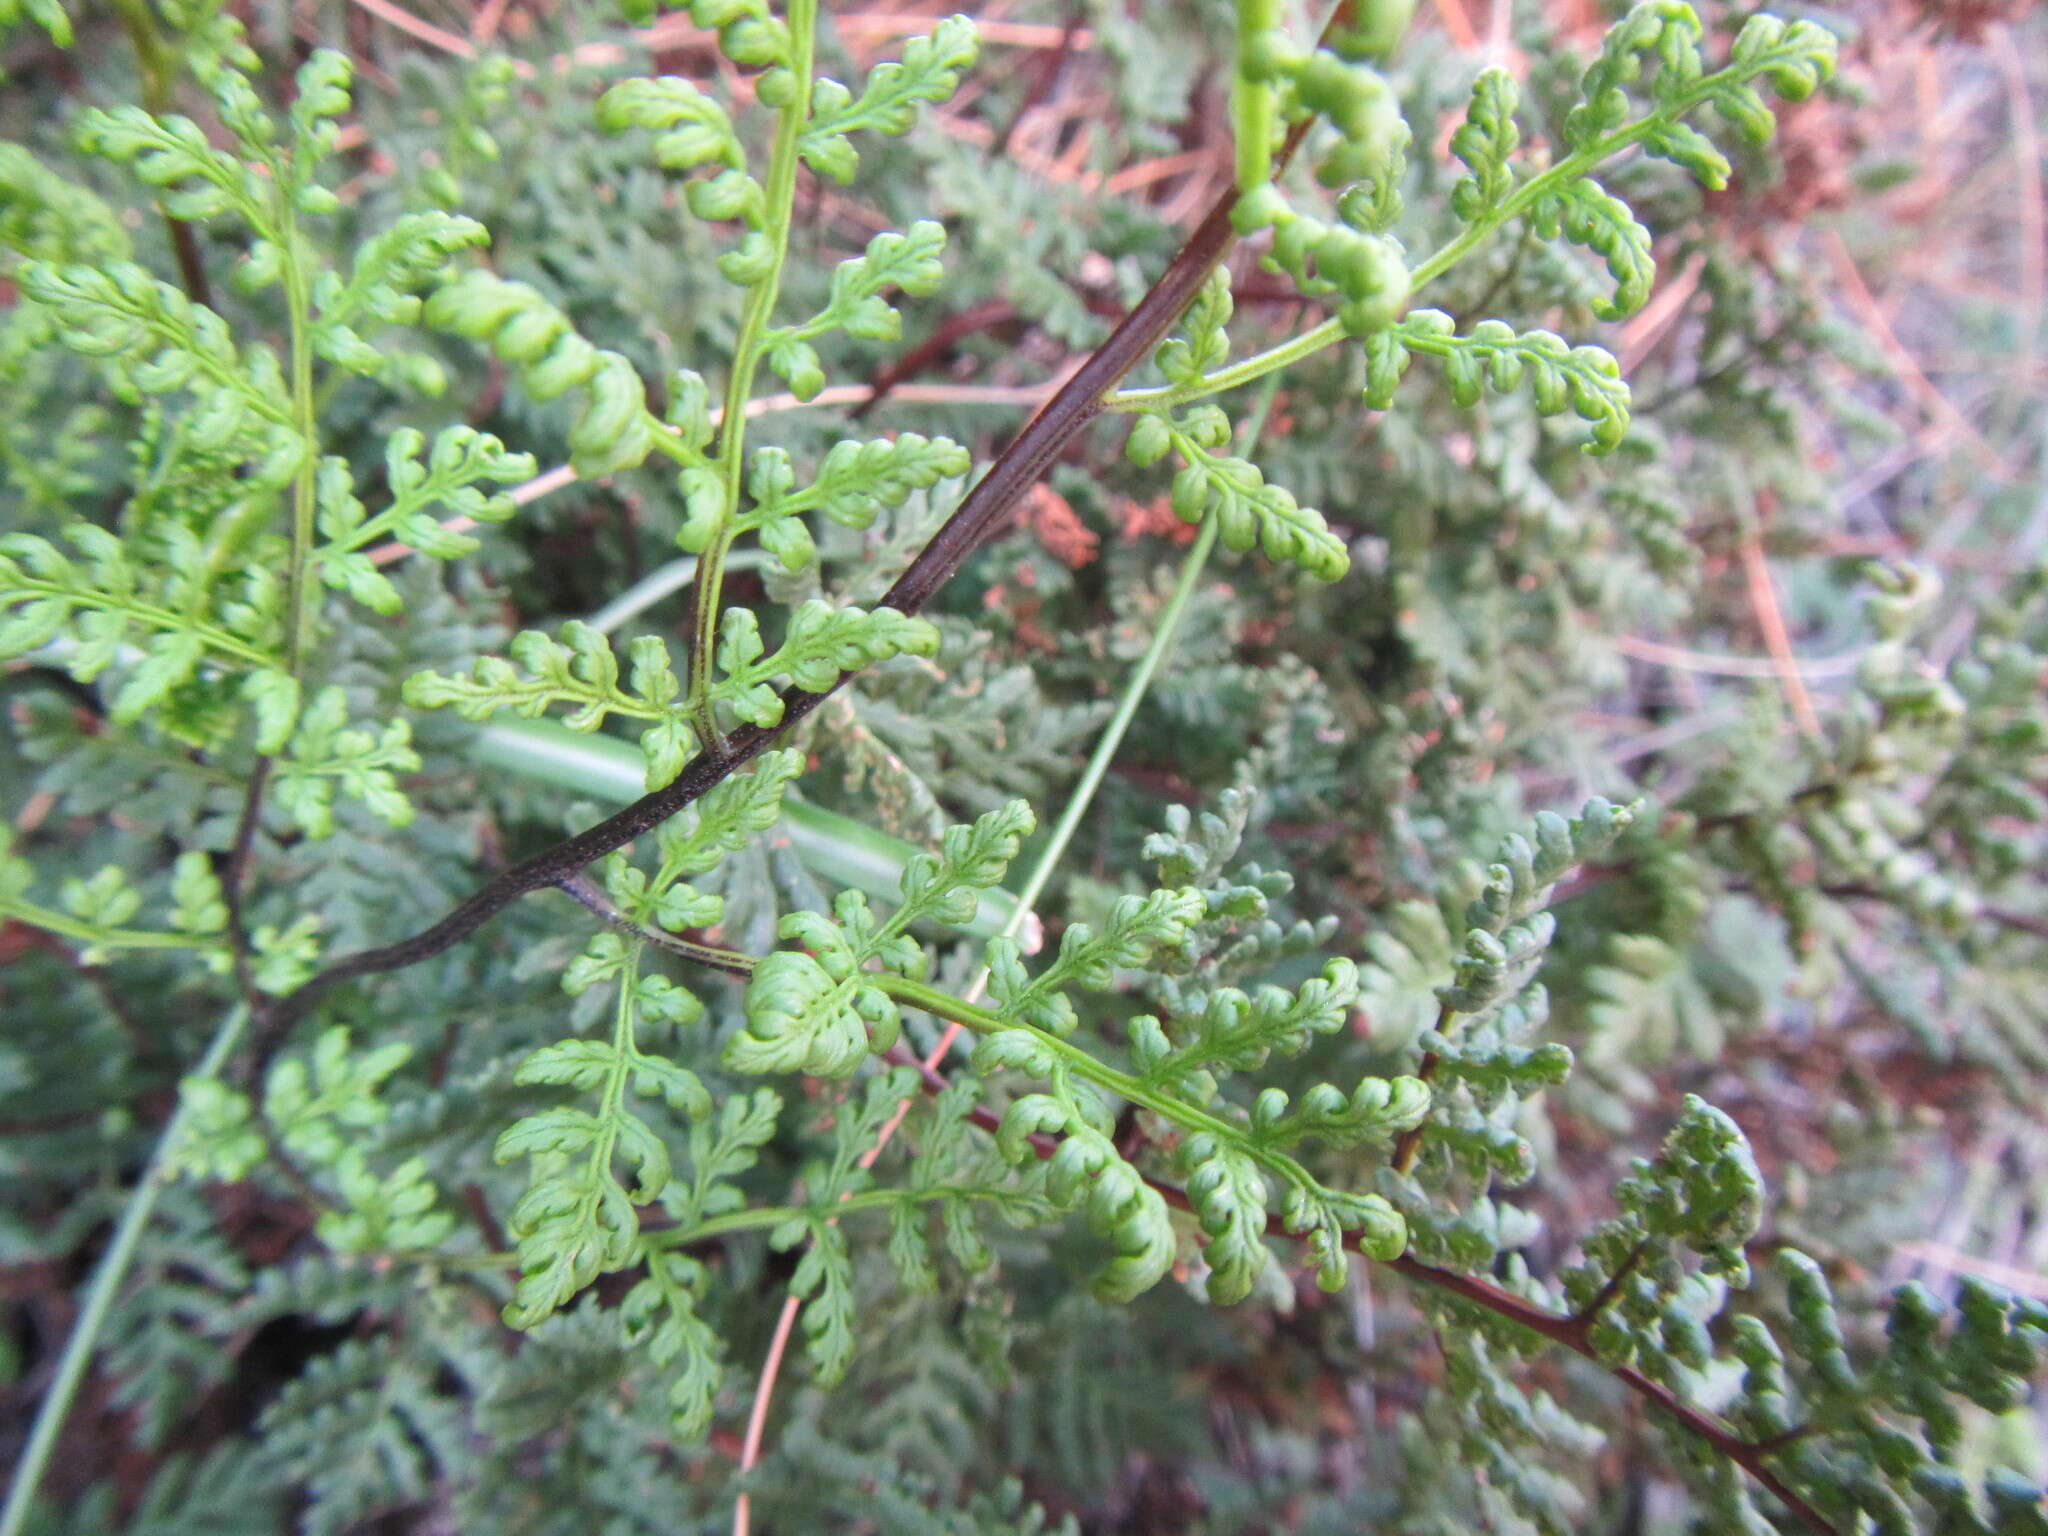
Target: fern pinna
(748, 1090)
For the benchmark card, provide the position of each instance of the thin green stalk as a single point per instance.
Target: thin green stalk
(92, 934)
(1135, 688)
(300, 605)
(99, 1298)
(780, 197)
(1092, 1070)
(624, 1049)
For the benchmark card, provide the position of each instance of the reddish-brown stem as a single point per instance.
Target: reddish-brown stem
(2023, 922)
(1571, 1331)
(981, 317)
(191, 268)
(1586, 1316)
(1409, 1144)
(1568, 1332)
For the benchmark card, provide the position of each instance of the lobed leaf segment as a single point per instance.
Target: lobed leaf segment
(204, 618)
(822, 1011)
(1355, 261)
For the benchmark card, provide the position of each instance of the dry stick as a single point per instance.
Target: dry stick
(676, 31)
(949, 332)
(1763, 596)
(483, 28)
(1458, 26)
(1657, 653)
(1017, 34)
(1656, 320)
(435, 37)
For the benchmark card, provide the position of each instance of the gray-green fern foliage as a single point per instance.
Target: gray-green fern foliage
(411, 457)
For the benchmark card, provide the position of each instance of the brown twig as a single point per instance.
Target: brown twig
(1904, 364)
(1409, 1144)
(980, 516)
(2023, 922)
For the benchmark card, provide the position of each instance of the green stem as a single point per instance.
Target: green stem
(98, 937)
(1088, 1068)
(1135, 687)
(668, 444)
(780, 198)
(99, 1299)
(1528, 195)
(624, 1049)
(216, 639)
(300, 604)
